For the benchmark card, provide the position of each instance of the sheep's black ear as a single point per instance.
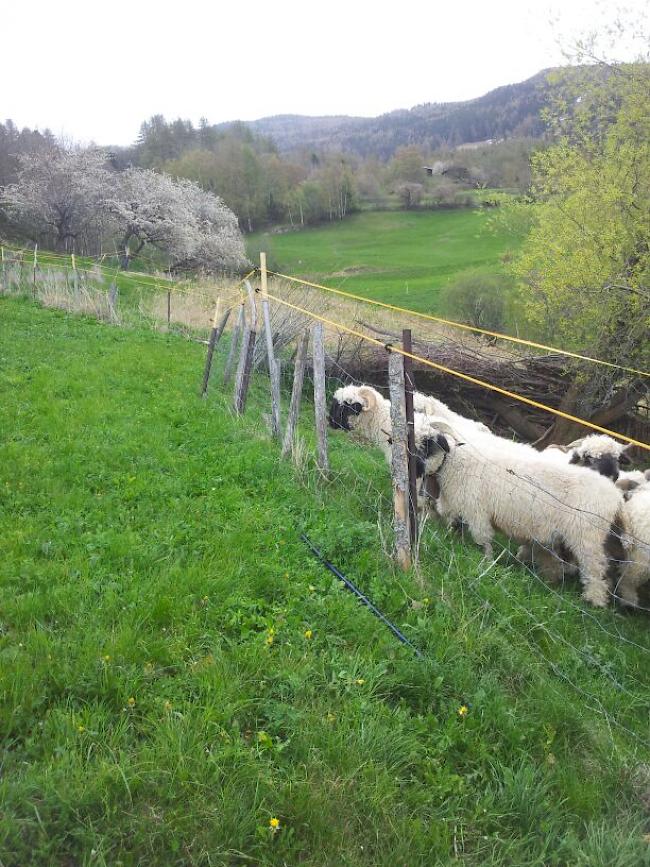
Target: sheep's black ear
(575, 458)
(624, 460)
(443, 443)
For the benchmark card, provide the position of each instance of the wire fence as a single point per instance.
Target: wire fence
(599, 656)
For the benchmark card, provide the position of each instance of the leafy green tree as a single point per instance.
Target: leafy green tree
(585, 266)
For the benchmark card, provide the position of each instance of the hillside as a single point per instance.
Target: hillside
(419, 254)
(178, 671)
(509, 111)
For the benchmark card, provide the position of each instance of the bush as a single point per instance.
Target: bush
(479, 298)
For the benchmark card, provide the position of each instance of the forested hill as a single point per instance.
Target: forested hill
(512, 110)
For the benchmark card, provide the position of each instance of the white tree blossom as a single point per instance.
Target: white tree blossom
(59, 196)
(193, 227)
(72, 200)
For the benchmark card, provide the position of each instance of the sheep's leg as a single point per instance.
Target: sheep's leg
(634, 574)
(482, 533)
(550, 566)
(525, 554)
(592, 564)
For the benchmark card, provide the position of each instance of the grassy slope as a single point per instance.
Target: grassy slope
(401, 257)
(150, 553)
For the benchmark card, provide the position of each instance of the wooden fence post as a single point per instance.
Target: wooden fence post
(169, 308)
(34, 271)
(399, 463)
(75, 276)
(215, 337)
(242, 380)
(409, 386)
(2, 259)
(113, 293)
(296, 395)
(274, 367)
(234, 339)
(320, 409)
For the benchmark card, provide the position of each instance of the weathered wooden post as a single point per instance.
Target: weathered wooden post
(2, 259)
(399, 463)
(113, 293)
(320, 410)
(242, 380)
(296, 395)
(75, 276)
(215, 337)
(234, 340)
(274, 367)
(169, 307)
(34, 270)
(409, 385)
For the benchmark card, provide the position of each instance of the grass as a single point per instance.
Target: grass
(397, 257)
(161, 701)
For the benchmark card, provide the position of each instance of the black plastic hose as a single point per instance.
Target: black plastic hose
(351, 587)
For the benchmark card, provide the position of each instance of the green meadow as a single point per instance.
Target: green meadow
(181, 682)
(397, 257)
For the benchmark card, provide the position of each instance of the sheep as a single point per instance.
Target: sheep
(598, 452)
(363, 410)
(366, 412)
(430, 405)
(628, 481)
(529, 500)
(635, 570)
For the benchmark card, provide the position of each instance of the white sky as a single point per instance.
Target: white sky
(95, 71)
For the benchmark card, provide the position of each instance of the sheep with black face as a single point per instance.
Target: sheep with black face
(600, 453)
(530, 499)
(364, 412)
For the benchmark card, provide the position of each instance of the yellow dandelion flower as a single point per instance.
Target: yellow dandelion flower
(274, 823)
(81, 729)
(308, 633)
(269, 640)
(131, 702)
(311, 588)
(463, 710)
(359, 681)
(106, 657)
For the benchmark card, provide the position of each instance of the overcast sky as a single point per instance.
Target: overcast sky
(95, 71)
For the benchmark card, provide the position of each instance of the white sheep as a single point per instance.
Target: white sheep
(636, 542)
(598, 452)
(362, 410)
(430, 405)
(528, 500)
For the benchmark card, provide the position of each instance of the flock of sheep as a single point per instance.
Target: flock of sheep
(571, 509)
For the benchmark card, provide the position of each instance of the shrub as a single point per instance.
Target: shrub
(479, 298)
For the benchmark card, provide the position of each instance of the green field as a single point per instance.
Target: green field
(394, 256)
(176, 670)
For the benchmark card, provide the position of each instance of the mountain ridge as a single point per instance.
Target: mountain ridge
(511, 110)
